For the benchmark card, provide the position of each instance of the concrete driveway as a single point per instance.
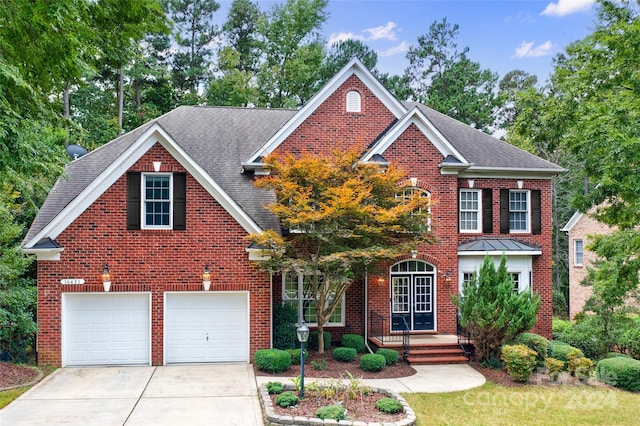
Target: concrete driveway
(220, 394)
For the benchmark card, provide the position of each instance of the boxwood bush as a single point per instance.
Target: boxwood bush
(620, 372)
(389, 405)
(295, 356)
(287, 399)
(334, 412)
(391, 356)
(355, 341)
(372, 362)
(272, 360)
(345, 354)
(313, 340)
(275, 387)
(520, 361)
(535, 342)
(561, 350)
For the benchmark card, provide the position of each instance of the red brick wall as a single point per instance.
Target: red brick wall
(330, 126)
(151, 260)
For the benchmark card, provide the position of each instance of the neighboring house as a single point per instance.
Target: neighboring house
(168, 206)
(581, 228)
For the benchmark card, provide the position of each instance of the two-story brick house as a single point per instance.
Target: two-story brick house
(165, 208)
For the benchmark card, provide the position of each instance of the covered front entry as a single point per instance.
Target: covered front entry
(413, 289)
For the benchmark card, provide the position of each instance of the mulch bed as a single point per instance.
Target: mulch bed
(12, 375)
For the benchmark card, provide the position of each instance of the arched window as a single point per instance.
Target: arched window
(353, 101)
(407, 193)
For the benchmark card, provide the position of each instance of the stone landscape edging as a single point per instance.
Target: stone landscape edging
(273, 419)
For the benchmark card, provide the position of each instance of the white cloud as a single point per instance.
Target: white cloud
(567, 7)
(382, 32)
(528, 50)
(401, 48)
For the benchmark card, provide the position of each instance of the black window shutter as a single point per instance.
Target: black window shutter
(179, 201)
(487, 210)
(536, 212)
(504, 211)
(133, 200)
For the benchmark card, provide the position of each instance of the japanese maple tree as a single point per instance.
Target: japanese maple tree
(338, 216)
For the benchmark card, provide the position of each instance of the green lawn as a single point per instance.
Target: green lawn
(8, 396)
(496, 405)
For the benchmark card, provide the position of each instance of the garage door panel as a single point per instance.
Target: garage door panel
(206, 327)
(106, 329)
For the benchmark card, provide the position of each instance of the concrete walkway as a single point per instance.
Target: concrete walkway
(428, 379)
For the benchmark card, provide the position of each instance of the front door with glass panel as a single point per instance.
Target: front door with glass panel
(412, 296)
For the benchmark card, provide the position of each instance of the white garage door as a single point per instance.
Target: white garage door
(106, 329)
(206, 327)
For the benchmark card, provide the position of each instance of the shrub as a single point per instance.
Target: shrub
(274, 387)
(345, 354)
(536, 343)
(620, 372)
(295, 356)
(372, 362)
(584, 337)
(313, 340)
(554, 367)
(389, 405)
(559, 326)
(391, 356)
(334, 412)
(355, 341)
(631, 342)
(17, 314)
(520, 361)
(272, 360)
(320, 365)
(581, 367)
(560, 350)
(617, 355)
(287, 399)
(284, 326)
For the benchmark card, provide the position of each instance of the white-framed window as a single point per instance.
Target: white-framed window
(578, 252)
(297, 291)
(408, 193)
(157, 205)
(519, 211)
(515, 277)
(470, 210)
(353, 101)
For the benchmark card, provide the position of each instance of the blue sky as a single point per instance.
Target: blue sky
(502, 35)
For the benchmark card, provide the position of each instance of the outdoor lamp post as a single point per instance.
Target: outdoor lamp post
(303, 336)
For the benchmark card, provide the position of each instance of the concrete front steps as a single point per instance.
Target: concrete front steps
(427, 349)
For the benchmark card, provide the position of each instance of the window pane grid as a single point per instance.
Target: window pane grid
(157, 203)
(298, 291)
(422, 296)
(400, 294)
(469, 210)
(518, 211)
(578, 252)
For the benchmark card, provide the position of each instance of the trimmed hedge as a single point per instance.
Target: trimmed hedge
(272, 360)
(561, 351)
(345, 354)
(620, 372)
(372, 362)
(535, 342)
(355, 341)
(391, 356)
(313, 340)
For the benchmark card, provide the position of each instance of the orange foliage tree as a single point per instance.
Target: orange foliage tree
(338, 216)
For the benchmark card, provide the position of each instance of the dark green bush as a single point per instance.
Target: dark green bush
(617, 355)
(287, 399)
(334, 412)
(372, 362)
(391, 356)
(631, 342)
(559, 326)
(285, 317)
(345, 354)
(584, 337)
(313, 340)
(389, 405)
(17, 314)
(355, 341)
(320, 365)
(536, 343)
(560, 350)
(295, 356)
(274, 387)
(520, 361)
(620, 372)
(272, 360)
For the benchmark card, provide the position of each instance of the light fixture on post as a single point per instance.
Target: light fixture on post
(303, 336)
(106, 277)
(206, 278)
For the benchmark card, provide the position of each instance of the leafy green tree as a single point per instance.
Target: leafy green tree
(512, 84)
(492, 312)
(341, 52)
(345, 215)
(293, 52)
(444, 78)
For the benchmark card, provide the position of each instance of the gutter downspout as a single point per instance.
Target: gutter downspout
(366, 310)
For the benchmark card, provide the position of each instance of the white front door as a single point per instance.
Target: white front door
(206, 327)
(105, 329)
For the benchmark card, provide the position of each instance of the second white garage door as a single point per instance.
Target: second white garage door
(206, 327)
